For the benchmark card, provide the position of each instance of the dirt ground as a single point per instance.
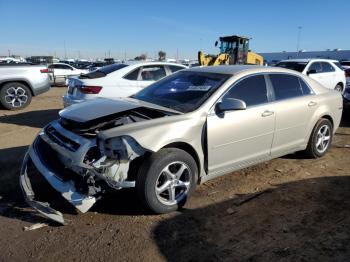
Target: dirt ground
(304, 214)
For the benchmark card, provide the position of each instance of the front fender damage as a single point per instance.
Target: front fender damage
(112, 166)
(117, 154)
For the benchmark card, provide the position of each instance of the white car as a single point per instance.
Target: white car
(328, 73)
(117, 80)
(61, 71)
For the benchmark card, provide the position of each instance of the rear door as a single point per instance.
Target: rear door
(324, 73)
(241, 138)
(294, 106)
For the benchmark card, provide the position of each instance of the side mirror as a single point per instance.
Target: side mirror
(216, 43)
(230, 104)
(310, 72)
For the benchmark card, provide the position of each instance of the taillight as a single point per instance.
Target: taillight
(44, 70)
(90, 89)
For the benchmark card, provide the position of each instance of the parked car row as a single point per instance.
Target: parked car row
(116, 80)
(182, 130)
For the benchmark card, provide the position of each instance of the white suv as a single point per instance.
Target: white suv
(117, 80)
(327, 72)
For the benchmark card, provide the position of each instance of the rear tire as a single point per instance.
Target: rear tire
(166, 180)
(15, 96)
(320, 139)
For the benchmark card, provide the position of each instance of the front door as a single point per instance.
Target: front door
(243, 137)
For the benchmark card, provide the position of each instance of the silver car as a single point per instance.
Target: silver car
(183, 130)
(20, 82)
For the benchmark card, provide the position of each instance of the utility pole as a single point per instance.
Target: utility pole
(124, 56)
(8, 50)
(298, 38)
(65, 50)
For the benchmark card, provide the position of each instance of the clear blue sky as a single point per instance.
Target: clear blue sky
(92, 28)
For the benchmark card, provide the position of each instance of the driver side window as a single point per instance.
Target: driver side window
(252, 90)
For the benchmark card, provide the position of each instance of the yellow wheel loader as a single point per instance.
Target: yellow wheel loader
(233, 50)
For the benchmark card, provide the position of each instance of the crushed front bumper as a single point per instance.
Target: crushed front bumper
(66, 188)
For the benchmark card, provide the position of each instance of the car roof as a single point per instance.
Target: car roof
(224, 69)
(307, 60)
(152, 63)
(236, 69)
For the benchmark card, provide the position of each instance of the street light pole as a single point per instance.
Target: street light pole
(298, 38)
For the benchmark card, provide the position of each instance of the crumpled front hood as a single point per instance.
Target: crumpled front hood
(96, 108)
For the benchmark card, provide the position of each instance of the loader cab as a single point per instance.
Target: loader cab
(236, 46)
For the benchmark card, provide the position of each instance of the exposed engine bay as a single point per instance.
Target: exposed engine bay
(80, 165)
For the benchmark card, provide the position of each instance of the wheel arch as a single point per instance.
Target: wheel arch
(328, 117)
(189, 149)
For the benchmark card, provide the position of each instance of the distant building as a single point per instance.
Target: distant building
(336, 54)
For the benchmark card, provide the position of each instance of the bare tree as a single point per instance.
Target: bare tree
(141, 57)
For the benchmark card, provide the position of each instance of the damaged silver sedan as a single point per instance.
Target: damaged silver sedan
(187, 128)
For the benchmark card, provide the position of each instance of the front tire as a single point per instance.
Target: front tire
(14, 96)
(166, 180)
(320, 139)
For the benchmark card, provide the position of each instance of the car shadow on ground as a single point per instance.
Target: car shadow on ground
(306, 220)
(37, 119)
(12, 204)
(10, 165)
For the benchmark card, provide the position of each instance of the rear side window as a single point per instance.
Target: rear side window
(316, 67)
(288, 86)
(133, 75)
(327, 67)
(173, 69)
(304, 87)
(252, 90)
(152, 73)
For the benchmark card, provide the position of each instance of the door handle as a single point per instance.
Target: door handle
(267, 113)
(312, 103)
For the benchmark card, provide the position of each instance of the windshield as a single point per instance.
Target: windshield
(297, 66)
(183, 91)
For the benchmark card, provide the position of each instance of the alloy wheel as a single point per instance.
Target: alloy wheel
(16, 96)
(323, 138)
(173, 183)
